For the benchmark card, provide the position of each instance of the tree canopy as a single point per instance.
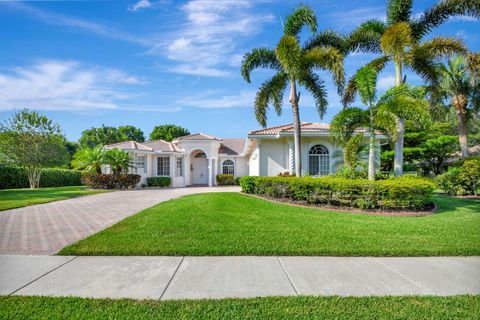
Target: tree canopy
(168, 132)
(107, 135)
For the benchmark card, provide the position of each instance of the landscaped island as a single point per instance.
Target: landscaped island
(236, 224)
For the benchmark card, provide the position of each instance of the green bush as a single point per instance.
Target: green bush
(14, 178)
(110, 181)
(226, 180)
(158, 181)
(395, 193)
(461, 181)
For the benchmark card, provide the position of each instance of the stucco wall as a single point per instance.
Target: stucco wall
(272, 157)
(254, 163)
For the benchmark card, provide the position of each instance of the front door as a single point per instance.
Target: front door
(199, 171)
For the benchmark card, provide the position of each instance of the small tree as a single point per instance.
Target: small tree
(131, 133)
(168, 132)
(118, 160)
(89, 159)
(438, 150)
(32, 141)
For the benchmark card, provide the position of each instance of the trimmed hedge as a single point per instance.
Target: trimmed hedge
(396, 193)
(110, 181)
(15, 178)
(158, 181)
(226, 180)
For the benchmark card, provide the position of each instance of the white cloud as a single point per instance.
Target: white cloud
(142, 4)
(385, 83)
(57, 19)
(215, 100)
(465, 19)
(208, 39)
(198, 71)
(355, 17)
(63, 85)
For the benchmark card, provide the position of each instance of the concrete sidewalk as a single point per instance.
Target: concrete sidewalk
(221, 277)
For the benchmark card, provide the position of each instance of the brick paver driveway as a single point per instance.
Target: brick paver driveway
(44, 229)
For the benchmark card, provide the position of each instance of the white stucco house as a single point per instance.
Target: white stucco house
(197, 159)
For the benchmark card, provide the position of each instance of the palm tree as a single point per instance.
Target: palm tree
(460, 82)
(118, 160)
(294, 65)
(399, 40)
(402, 102)
(89, 159)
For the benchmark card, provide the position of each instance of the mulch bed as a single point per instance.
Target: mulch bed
(375, 212)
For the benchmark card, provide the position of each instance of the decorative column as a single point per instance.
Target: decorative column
(291, 157)
(210, 172)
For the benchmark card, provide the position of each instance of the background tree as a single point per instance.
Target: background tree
(460, 84)
(89, 159)
(131, 133)
(294, 65)
(168, 132)
(118, 160)
(32, 141)
(399, 39)
(100, 136)
(435, 152)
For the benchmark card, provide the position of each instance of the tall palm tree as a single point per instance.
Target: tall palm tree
(89, 159)
(404, 101)
(460, 82)
(294, 65)
(399, 40)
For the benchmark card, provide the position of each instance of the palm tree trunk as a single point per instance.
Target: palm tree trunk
(294, 98)
(398, 160)
(371, 157)
(459, 103)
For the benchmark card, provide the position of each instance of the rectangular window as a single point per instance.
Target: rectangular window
(141, 164)
(179, 171)
(163, 166)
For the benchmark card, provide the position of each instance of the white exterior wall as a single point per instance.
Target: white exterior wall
(254, 162)
(241, 165)
(273, 158)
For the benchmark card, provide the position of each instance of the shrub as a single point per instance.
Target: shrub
(14, 178)
(110, 181)
(226, 180)
(158, 181)
(395, 193)
(461, 181)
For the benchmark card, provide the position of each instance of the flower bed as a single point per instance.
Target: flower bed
(402, 193)
(110, 181)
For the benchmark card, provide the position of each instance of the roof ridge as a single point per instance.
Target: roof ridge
(117, 143)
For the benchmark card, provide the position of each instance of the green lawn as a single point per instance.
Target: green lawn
(418, 308)
(236, 224)
(15, 198)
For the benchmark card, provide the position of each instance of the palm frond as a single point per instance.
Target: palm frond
(328, 38)
(315, 86)
(289, 54)
(351, 89)
(301, 16)
(440, 47)
(366, 79)
(330, 59)
(398, 11)
(366, 38)
(258, 58)
(344, 123)
(440, 12)
(270, 92)
(396, 39)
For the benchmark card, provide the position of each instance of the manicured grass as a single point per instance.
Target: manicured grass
(16, 198)
(236, 224)
(418, 308)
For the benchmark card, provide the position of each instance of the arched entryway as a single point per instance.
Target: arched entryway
(199, 167)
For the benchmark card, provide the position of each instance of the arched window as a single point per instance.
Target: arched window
(318, 161)
(228, 167)
(200, 155)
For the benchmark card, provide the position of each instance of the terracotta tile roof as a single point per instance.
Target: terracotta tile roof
(198, 136)
(232, 146)
(305, 127)
(162, 145)
(129, 145)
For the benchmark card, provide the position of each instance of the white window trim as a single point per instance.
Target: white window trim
(229, 165)
(169, 168)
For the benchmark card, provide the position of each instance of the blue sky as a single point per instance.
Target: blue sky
(144, 63)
